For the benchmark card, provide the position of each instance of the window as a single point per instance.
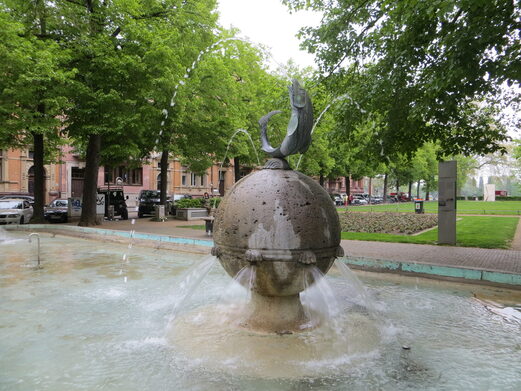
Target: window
(193, 179)
(128, 176)
(30, 154)
(136, 176)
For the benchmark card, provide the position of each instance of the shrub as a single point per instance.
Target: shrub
(386, 222)
(215, 202)
(190, 203)
(508, 198)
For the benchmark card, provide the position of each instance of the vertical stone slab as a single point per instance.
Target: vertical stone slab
(489, 193)
(447, 202)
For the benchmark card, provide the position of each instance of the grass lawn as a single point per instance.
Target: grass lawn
(463, 207)
(471, 231)
(202, 227)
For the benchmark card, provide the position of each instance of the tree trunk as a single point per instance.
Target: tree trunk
(164, 176)
(418, 189)
(236, 168)
(321, 180)
(397, 186)
(410, 190)
(385, 188)
(39, 175)
(427, 192)
(347, 178)
(88, 209)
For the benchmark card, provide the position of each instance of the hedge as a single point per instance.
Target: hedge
(198, 202)
(508, 198)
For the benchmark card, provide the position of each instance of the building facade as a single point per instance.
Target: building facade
(65, 179)
(338, 186)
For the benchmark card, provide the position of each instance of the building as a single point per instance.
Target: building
(338, 186)
(65, 179)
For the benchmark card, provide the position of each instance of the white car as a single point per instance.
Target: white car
(15, 211)
(358, 200)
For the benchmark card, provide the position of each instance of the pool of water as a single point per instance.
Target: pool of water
(98, 316)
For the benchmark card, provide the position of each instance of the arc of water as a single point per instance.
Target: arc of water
(126, 255)
(362, 295)
(189, 283)
(228, 148)
(181, 82)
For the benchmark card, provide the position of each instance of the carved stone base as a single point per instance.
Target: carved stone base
(276, 314)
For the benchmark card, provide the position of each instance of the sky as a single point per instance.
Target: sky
(269, 22)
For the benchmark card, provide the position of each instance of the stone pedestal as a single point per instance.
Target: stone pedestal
(283, 223)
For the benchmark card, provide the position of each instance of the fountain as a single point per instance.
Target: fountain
(279, 324)
(281, 223)
(78, 324)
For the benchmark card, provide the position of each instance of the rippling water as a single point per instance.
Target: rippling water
(87, 320)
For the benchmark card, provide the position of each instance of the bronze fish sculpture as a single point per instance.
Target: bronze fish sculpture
(298, 134)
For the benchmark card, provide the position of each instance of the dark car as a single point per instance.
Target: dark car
(148, 199)
(115, 197)
(57, 211)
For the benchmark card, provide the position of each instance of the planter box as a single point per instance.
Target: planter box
(191, 213)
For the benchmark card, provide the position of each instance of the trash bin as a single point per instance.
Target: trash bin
(208, 222)
(418, 206)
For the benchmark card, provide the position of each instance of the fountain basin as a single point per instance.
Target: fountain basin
(89, 320)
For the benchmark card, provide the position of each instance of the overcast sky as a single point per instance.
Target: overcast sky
(269, 22)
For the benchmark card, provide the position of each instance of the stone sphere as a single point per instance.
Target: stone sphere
(281, 221)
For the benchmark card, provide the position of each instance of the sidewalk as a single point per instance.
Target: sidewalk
(460, 263)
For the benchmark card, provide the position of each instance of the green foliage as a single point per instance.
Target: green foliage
(190, 203)
(34, 77)
(430, 70)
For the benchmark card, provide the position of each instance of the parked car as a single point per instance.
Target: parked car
(337, 199)
(399, 197)
(57, 211)
(115, 197)
(358, 200)
(376, 200)
(19, 197)
(15, 211)
(148, 199)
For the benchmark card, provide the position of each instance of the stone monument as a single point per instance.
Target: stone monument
(281, 223)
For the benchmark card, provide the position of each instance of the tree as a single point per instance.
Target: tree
(428, 63)
(32, 86)
(109, 44)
